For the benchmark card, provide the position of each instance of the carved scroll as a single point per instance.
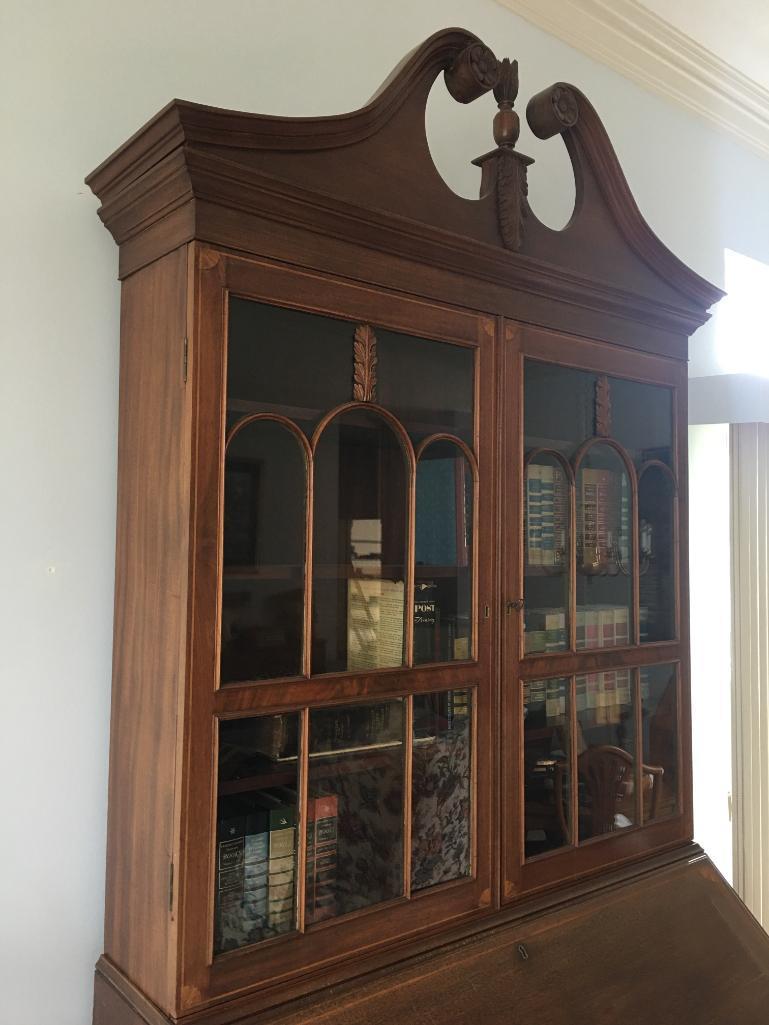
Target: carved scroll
(602, 407)
(472, 74)
(364, 364)
(552, 111)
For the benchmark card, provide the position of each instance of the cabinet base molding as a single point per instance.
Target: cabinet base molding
(116, 1001)
(561, 962)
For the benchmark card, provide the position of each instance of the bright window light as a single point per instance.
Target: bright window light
(742, 340)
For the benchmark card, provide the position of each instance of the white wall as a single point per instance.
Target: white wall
(77, 79)
(711, 620)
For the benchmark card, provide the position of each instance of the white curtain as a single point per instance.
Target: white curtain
(750, 634)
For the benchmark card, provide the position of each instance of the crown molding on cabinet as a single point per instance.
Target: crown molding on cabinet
(639, 44)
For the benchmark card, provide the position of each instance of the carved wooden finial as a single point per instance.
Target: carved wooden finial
(364, 364)
(505, 169)
(602, 407)
(507, 124)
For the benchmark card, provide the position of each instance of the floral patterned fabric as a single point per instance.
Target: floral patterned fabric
(440, 846)
(369, 792)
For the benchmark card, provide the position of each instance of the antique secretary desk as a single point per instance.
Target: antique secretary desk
(400, 720)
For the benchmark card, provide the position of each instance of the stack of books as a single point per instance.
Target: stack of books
(604, 699)
(603, 626)
(548, 696)
(547, 515)
(597, 626)
(256, 871)
(343, 728)
(604, 517)
(545, 630)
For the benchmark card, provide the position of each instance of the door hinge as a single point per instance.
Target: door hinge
(731, 807)
(186, 345)
(171, 886)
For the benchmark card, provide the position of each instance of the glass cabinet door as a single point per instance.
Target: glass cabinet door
(601, 446)
(351, 708)
(593, 698)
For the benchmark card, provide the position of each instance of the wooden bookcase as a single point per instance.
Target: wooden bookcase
(401, 670)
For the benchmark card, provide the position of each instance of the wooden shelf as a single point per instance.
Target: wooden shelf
(338, 572)
(266, 780)
(343, 571)
(262, 782)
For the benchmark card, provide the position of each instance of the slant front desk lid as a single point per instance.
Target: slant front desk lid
(673, 946)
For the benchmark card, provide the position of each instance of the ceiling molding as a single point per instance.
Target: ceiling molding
(629, 38)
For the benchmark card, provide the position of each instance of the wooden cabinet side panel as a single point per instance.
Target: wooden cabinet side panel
(150, 626)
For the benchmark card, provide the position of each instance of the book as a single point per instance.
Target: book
(645, 685)
(581, 637)
(534, 514)
(534, 641)
(606, 511)
(602, 626)
(547, 514)
(256, 871)
(604, 527)
(551, 700)
(555, 630)
(281, 867)
(605, 627)
(374, 623)
(457, 709)
(624, 520)
(592, 698)
(426, 621)
(560, 515)
(545, 630)
(580, 687)
(230, 879)
(601, 716)
(612, 711)
(591, 627)
(643, 616)
(588, 506)
(324, 885)
(624, 685)
(320, 896)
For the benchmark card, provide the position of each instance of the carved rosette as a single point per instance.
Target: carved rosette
(552, 111)
(565, 106)
(472, 74)
(364, 364)
(602, 407)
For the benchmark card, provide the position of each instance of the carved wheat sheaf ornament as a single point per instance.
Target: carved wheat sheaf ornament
(512, 190)
(512, 182)
(602, 407)
(364, 364)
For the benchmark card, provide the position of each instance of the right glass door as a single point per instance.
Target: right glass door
(594, 663)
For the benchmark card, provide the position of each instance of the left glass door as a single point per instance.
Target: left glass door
(345, 689)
